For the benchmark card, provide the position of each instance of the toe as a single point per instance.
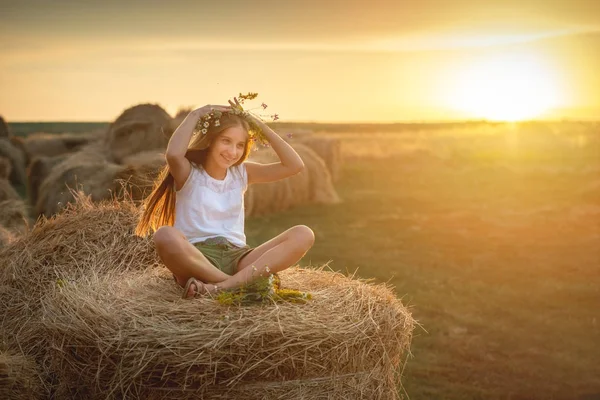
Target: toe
(192, 290)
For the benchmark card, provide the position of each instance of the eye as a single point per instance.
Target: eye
(240, 145)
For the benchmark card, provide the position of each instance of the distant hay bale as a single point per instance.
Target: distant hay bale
(182, 113)
(88, 171)
(91, 171)
(51, 145)
(6, 237)
(322, 190)
(14, 216)
(37, 171)
(19, 378)
(312, 185)
(7, 192)
(4, 130)
(328, 148)
(272, 197)
(139, 175)
(5, 168)
(17, 161)
(139, 128)
(95, 305)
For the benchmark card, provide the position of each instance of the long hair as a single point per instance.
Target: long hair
(159, 206)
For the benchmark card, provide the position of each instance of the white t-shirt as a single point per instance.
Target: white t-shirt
(207, 207)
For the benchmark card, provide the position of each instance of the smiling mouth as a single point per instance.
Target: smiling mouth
(228, 160)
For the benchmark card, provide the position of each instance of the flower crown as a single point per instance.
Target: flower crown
(255, 131)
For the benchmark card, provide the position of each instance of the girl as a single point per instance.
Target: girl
(197, 206)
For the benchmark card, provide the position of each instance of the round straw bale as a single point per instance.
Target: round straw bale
(176, 121)
(85, 239)
(5, 168)
(6, 236)
(7, 192)
(137, 179)
(139, 128)
(37, 171)
(17, 161)
(272, 197)
(88, 170)
(329, 149)
(321, 185)
(90, 301)
(4, 130)
(19, 377)
(50, 145)
(159, 344)
(14, 215)
(311, 185)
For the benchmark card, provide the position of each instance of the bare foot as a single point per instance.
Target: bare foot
(195, 287)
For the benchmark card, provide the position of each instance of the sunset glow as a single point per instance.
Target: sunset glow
(508, 88)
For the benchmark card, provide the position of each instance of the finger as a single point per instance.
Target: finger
(231, 102)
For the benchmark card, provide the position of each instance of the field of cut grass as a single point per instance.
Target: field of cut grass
(493, 241)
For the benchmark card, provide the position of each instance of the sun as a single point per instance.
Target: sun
(507, 88)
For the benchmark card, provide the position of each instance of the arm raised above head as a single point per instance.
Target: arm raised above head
(179, 166)
(289, 163)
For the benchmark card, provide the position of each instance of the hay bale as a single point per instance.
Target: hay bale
(182, 113)
(91, 171)
(17, 161)
(139, 128)
(6, 237)
(7, 192)
(329, 149)
(107, 318)
(348, 341)
(321, 185)
(5, 168)
(37, 171)
(272, 197)
(4, 130)
(84, 239)
(312, 185)
(19, 378)
(87, 171)
(51, 145)
(137, 179)
(14, 216)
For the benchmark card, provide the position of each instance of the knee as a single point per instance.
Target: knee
(303, 236)
(164, 237)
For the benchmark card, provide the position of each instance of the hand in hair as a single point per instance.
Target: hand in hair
(204, 110)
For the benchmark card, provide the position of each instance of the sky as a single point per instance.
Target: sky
(322, 61)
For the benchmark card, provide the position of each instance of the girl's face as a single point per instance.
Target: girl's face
(228, 147)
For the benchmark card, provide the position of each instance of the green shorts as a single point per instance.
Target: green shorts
(222, 254)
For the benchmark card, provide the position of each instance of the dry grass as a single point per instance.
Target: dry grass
(19, 377)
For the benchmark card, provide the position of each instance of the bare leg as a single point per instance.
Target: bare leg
(183, 259)
(277, 254)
